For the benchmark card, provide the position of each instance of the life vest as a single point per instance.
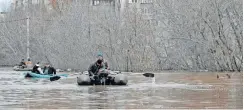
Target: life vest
(35, 69)
(28, 63)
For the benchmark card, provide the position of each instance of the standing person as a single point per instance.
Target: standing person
(37, 69)
(48, 69)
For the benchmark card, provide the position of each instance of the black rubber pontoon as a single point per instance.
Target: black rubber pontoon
(103, 78)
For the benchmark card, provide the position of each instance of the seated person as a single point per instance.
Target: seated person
(49, 69)
(28, 63)
(37, 69)
(104, 63)
(94, 68)
(22, 64)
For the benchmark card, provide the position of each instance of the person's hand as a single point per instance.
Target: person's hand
(101, 70)
(92, 77)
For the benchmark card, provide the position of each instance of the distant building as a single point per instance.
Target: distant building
(103, 2)
(16, 4)
(144, 7)
(103, 5)
(47, 6)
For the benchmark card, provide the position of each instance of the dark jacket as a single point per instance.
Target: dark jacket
(22, 63)
(106, 65)
(94, 68)
(51, 70)
(35, 69)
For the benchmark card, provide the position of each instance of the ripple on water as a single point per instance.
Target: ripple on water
(144, 86)
(141, 92)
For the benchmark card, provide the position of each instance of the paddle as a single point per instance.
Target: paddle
(148, 75)
(54, 78)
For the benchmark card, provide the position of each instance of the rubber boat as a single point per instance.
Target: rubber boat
(17, 68)
(51, 77)
(103, 78)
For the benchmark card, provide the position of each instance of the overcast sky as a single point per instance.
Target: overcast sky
(4, 5)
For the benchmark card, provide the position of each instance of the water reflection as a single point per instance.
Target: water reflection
(174, 90)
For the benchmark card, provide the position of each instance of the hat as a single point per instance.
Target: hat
(100, 54)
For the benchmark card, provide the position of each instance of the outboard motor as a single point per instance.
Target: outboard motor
(103, 77)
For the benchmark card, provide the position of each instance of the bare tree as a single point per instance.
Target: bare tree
(172, 34)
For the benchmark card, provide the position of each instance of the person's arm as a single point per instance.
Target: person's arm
(106, 65)
(40, 70)
(54, 70)
(90, 70)
(44, 69)
(21, 63)
(102, 67)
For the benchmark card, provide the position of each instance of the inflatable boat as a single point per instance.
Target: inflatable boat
(18, 68)
(102, 78)
(51, 77)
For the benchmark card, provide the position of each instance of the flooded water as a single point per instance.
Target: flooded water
(168, 90)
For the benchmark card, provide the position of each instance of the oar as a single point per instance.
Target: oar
(148, 75)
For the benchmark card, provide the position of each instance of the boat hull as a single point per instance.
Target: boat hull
(17, 68)
(111, 79)
(35, 75)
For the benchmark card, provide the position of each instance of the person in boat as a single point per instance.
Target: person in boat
(28, 63)
(104, 63)
(48, 69)
(22, 64)
(94, 68)
(37, 69)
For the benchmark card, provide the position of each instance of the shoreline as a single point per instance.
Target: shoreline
(202, 71)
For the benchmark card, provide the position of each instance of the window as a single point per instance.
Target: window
(96, 2)
(146, 1)
(132, 1)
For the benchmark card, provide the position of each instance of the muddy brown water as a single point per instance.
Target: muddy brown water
(195, 90)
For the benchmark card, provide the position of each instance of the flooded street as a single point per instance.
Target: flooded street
(170, 90)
